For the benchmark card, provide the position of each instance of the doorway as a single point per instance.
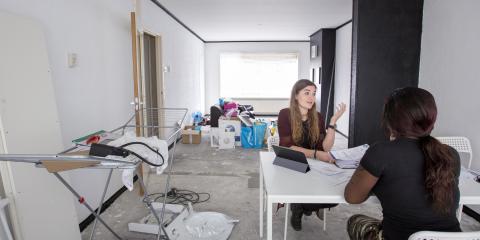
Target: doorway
(152, 81)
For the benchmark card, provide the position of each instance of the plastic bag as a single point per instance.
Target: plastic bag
(252, 137)
(209, 225)
(154, 142)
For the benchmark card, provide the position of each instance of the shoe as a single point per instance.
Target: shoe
(319, 213)
(296, 218)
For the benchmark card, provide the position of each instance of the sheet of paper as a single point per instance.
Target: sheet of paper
(350, 154)
(329, 172)
(467, 175)
(323, 167)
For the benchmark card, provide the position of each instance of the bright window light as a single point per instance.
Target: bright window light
(257, 75)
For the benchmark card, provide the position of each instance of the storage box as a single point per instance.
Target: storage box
(191, 136)
(214, 141)
(226, 140)
(232, 125)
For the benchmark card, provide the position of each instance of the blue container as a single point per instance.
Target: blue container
(252, 137)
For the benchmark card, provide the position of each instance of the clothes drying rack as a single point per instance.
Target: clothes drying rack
(165, 123)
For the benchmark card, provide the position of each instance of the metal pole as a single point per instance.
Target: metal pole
(82, 201)
(152, 209)
(101, 203)
(168, 182)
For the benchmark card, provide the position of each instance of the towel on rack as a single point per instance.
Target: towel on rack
(153, 142)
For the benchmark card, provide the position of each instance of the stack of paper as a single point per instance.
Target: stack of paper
(468, 175)
(349, 158)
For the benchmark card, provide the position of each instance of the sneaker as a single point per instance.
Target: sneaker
(319, 213)
(296, 218)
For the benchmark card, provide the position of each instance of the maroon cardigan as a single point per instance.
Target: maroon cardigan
(285, 129)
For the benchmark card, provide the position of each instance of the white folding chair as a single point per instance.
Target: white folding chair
(430, 235)
(461, 144)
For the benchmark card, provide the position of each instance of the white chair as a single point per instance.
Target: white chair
(461, 144)
(429, 235)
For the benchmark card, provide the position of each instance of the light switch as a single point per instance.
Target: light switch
(72, 60)
(166, 69)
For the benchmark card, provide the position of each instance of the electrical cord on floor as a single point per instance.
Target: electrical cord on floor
(180, 196)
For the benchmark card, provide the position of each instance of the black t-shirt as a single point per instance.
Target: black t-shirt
(399, 166)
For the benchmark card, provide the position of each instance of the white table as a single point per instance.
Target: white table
(282, 185)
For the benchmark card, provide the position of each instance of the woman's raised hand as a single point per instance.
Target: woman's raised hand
(339, 110)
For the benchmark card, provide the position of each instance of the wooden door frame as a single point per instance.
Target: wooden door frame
(159, 66)
(140, 91)
(159, 73)
(139, 69)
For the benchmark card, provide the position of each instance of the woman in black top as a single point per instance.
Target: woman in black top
(302, 128)
(414, 176)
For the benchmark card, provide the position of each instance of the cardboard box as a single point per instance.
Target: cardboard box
(190, 136)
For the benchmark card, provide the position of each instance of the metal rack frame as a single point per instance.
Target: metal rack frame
(165, 123)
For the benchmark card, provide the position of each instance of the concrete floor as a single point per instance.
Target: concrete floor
(231, 178)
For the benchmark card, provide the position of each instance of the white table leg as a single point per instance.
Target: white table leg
(459, 212)
(261, 202)
(287, 205)
(269, 219)
(324, 219)
(264, 201)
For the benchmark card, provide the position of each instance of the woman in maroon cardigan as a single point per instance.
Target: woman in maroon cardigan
(302, 128)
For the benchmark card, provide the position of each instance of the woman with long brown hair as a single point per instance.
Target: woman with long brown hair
(302, 128)
(414, 176)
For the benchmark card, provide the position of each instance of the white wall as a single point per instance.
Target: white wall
(449, 67)
(97, 93)
(212, 69)
(343, 73)
(183, 53)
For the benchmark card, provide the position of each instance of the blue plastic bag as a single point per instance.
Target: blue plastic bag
(252, 137)
(246, 137)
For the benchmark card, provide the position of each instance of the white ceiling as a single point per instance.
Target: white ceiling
(259, 20)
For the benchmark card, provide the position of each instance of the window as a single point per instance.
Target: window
(257, 75)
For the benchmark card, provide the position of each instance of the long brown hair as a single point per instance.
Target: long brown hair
(412, 112)
(296, 116)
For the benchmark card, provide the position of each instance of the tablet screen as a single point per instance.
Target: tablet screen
(290, 154)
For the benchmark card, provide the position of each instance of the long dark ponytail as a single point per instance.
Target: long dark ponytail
(439, 173)
(412, 112)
